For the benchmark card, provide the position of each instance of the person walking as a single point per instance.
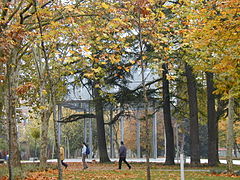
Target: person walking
(62, 157)
(84, 155)
(122, 156)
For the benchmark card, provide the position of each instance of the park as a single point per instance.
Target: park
(130, 89)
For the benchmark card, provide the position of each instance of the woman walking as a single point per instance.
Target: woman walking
(84, 155)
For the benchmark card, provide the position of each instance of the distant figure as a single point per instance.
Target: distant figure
(84, 155)
(1, 157)
(7, 157)
(122, 156)
(62, 157)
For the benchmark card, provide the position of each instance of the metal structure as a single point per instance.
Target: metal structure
(86, 106)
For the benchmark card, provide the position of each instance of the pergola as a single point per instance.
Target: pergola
(85, 107)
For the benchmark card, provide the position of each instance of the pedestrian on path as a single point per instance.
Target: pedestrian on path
(62, 156)
(122, 156)
(84, 155)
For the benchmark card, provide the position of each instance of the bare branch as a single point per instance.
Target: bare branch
(76, 117)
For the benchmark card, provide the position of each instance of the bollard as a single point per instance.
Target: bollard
(182, 166)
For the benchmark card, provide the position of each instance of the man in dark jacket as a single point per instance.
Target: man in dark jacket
(122, 156)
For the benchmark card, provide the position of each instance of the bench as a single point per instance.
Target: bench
(33, 158)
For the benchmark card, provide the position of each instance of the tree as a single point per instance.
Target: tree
(12, 34)
(100, 126)
(193, 115)
(170, 154)
(212, 122)
(230, 136)
(216, 53)
(35, 133)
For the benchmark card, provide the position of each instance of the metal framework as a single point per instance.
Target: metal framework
(86, 106)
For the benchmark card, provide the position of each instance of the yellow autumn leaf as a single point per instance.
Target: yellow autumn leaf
(85, 49)
(169, 77)
(160, 14)
(88, 55)
(127, 69)
(119, 67)
(116, 19)
(44, 92)
(105, 6)
(72, 52)
(132, 62)
(114, 60)
(151, 1)
(97, 86)
(89, 74)
(42, 107)
(97, 70)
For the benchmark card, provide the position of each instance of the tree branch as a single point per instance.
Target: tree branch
(76, 117)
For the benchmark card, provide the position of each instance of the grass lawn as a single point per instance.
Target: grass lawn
(110, 171)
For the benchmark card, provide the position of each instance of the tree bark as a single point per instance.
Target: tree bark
(193, 111)
(145, 97)
(170, 152)
(212, 122)
(52, 92)
(44, 137)
(9, 118)
(230, 135)
(44, 102)
(14, 154)
(102, 147)
(221, 105)
(12, 100)
(2, 92)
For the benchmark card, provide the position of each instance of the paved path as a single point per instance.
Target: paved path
(158, 160)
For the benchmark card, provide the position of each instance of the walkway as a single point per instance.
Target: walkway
(158, 160)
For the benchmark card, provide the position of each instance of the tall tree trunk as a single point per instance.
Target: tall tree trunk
(14, 154)
(45, 116)
(44, 102)
(9, 110)
(193, 110)
(230, 135)
(170, 153)
(145, 98)
(102, 147)
(2, 92)
(13, 61)
(51, 89)
(57, 143)
(212, 122)
(221, 105)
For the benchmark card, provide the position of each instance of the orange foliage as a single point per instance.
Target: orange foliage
(24, 88)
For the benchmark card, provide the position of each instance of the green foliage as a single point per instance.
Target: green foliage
(35, 133)
(3, 144)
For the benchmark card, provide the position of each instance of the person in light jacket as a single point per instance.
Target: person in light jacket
(84, 155)
(62, 156)
(122, 156)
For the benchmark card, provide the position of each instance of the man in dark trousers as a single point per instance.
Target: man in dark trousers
(122, 156)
